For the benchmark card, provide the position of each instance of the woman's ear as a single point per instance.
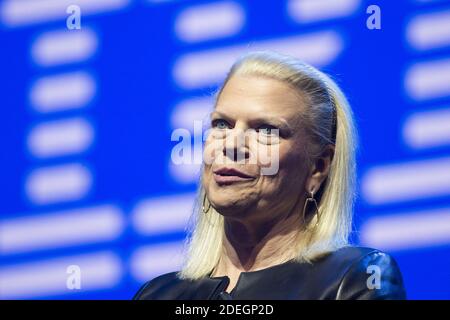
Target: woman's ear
(320, 169)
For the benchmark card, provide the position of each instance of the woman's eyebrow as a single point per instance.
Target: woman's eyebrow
(216, 114)
(275, 121)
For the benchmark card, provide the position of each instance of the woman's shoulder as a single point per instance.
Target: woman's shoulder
(366, 273)
(347, 273)
(158, 284)
(352, 251)
(350, 256)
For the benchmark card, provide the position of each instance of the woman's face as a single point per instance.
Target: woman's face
(243, 145)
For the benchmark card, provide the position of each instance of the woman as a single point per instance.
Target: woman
(283, 233)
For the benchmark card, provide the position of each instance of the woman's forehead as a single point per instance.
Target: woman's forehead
(259, 96)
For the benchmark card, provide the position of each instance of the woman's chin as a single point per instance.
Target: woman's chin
(230, 200)
(230, 207)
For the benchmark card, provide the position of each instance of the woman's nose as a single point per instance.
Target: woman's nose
(236, 145)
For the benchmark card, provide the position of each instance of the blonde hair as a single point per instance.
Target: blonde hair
(335, 199)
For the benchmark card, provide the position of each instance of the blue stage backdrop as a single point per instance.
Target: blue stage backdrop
(92, 91)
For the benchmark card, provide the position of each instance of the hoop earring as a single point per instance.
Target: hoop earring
(203, 204)
(311, 199)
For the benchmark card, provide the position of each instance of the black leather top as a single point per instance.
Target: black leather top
(348, 273)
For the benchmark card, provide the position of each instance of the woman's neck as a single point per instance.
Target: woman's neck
(252, 246)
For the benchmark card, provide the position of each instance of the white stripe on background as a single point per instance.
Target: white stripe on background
(202, 69)
(407, 181)
(209, 21)
(67, 182)
(61, 229)
(62, 47)
(186, 173)
(15, 13)
(150, 261)
(429, 31)
(163, 214)
(98, 271)
(407, 231)
(192, 110)
(305, 11)
(60, 137)
(428, 80)
(427, 129)
(62, 92)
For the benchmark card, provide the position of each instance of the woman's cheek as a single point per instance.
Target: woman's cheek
(268, 158)
(212, 148)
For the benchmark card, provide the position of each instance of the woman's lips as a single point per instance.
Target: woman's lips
(230, 175)
(220, 179)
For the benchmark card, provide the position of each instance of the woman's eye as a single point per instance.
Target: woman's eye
(220, 124)
(266, 129)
